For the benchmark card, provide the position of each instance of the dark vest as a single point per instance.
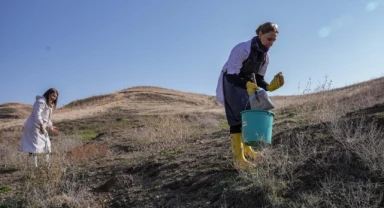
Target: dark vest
(253, 63)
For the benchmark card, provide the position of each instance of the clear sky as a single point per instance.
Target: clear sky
(92, 47)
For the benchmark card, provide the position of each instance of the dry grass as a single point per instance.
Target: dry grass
(144, 100)
(336, 163)
(52, 185)
(86, 153)
(61, 185)
(326, 160)
(14, 110)
(167, 132)
(363, 139)
(344, 171)
(322, 103)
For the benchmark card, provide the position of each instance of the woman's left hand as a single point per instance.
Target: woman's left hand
(54, 129)
(277, 82)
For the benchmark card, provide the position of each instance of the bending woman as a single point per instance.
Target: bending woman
(35, 136)
(235, 84)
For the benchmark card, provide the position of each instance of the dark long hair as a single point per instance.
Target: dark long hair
(47, 96)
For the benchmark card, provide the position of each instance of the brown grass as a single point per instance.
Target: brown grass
(14, 110)
(328, 159)
(166, 123)
(323, 103)
(86, 153)
(321, 156)
(144, 100)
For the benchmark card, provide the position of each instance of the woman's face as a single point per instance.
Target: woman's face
(52, 97)
(268, 39)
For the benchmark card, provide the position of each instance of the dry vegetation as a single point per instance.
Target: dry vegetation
(154, 147)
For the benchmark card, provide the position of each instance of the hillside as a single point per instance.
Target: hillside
(155, 147)
(14, 111)
(142, 100)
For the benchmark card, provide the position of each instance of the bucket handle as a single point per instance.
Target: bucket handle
(255, 82)
(254, 78)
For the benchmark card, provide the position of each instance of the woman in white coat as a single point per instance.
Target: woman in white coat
(236, 84)
(35, 136)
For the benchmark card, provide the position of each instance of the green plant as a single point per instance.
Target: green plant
(223, 124)
(88, 134)
(4, 189)
(172, 152)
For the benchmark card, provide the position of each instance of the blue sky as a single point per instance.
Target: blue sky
(92, 47)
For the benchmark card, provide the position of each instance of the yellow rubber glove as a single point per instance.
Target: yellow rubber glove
(251, 88)
(276, 82)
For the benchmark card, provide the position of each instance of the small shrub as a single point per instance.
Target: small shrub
(4, 189)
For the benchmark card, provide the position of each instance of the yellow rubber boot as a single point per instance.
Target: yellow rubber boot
(238, 152)
(249, 152)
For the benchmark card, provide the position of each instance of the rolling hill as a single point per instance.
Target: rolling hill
(154, 147)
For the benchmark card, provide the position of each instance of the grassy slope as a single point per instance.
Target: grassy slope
(153, 147)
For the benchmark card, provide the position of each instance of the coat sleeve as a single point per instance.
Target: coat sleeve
(49, 120)
(234, 64)
(37, 110)
(236, 59)
(261, 82)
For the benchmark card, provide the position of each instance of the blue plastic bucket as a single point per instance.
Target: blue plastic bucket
(257, 127)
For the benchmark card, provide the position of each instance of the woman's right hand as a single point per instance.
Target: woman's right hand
(251, 88)
(42, 130)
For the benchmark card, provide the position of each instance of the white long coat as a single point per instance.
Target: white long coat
(33, 141)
